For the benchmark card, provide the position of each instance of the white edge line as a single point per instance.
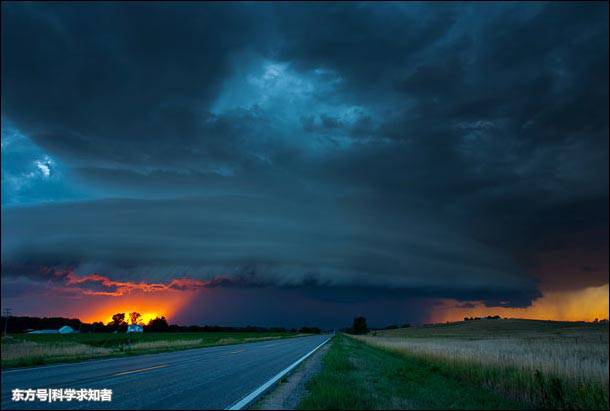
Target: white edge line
(254, 394)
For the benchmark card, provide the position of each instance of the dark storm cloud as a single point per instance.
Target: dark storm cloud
(111, 82)
(254, 242)
(431, 149)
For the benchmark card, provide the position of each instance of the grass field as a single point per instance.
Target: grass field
(539, 364)
(21, 350)
(356, 375)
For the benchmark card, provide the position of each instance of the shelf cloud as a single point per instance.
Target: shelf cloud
(339, 151)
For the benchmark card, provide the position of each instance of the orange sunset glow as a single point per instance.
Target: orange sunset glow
(585, 304)
(150, 305)
(103, 297)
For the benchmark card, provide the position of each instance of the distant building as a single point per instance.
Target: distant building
(135, 328)
(66, 329)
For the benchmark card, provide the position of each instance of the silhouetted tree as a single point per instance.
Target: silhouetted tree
(117, 320)
(309, 330)
(359, 326)
(98, 327)
(158, 325)
(24, 324)
(134, 317)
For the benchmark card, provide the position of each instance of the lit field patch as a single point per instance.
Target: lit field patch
(232, 340)
(162, 344)
(35, 352)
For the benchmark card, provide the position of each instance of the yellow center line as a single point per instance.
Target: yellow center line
(139, 370)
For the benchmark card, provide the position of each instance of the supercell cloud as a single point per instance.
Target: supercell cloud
(343, 153)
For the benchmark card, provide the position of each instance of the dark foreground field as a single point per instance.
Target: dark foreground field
(27, 349)
(490, 364)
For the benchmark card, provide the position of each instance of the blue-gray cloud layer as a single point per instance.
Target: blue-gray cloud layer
(429, 148)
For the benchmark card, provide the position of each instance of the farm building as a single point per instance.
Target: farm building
(135, 328)
(66, 329)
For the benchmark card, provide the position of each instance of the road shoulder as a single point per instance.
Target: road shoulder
(287, 394)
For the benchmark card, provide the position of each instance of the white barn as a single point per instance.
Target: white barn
(66, 329)
(135, 328)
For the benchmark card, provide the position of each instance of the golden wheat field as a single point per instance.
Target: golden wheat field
(566, 358)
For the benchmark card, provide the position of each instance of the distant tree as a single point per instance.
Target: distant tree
(98, 327)
(309, 330)
(359, 326)
(117, 320)
(406, 325)
(253, 328)
(158, 325)
(134, 317)
(391, 327)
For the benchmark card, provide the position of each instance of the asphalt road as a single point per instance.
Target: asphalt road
(203, 378)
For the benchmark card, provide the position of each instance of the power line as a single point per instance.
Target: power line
(7, 313)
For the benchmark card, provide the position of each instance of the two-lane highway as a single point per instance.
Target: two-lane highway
(203, 378)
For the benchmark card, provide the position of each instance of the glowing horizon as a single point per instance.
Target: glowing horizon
(162, 303)
(586, 304)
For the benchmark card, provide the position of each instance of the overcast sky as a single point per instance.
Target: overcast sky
(318, 160)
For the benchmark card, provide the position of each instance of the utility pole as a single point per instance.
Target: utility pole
(7, 313)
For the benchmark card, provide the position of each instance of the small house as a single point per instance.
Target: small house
(66, 329)
(135, 328)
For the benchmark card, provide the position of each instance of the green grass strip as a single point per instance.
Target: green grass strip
(358, 376)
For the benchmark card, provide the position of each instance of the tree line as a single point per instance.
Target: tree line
(359, 326)
(120, 322)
